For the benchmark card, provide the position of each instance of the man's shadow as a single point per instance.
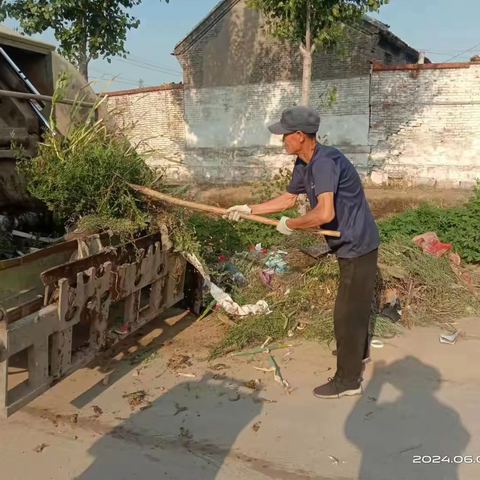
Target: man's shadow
(411, 424)
(187, 433)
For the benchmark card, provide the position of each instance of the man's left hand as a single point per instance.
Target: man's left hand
(282, 226)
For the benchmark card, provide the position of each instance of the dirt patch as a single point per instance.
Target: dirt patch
(383, 201)
(199, 337)
(226, 196)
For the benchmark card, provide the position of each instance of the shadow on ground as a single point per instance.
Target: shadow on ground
(399, 418)
(187, 433)
(124, 366)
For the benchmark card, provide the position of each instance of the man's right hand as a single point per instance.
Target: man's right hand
(234, 212)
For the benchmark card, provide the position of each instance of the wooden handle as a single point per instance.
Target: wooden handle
(219, 211)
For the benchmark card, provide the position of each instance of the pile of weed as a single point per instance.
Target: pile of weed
(83, 177)
(459, 226)
(429, 292)
(310, 298)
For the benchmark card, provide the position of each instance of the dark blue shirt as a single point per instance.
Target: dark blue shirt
(330, 171)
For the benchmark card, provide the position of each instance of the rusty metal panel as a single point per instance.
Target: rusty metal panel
(85, 297)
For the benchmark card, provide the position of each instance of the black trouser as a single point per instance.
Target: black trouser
(352, 315)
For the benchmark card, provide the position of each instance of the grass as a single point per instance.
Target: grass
(459, 226)
(430, 294)
(219, 237)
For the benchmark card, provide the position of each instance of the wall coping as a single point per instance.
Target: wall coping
(159, 88)
(381, 67)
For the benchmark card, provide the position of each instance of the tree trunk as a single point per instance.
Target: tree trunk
(307, 51)
(83, 68)
(83, 59)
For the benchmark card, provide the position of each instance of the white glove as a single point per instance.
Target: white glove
(282, 226)
(234, 212)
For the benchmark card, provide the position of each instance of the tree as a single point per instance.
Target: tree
(312, 24)
(85, 29)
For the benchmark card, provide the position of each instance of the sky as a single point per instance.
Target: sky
(444, 30)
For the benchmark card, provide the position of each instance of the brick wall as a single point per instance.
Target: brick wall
(153, 120)
(425, 123)
(235, 50)
(220, 134)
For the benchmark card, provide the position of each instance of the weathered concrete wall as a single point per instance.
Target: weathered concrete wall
(237, 117)
(425, 123)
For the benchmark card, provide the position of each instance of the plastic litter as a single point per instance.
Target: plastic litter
(449, 339)
(266, 277)
(376, 343)
(431, 244)
(237, 276)
(222, 298)
(276, 262)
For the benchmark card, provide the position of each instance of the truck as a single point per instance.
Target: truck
(63, 305)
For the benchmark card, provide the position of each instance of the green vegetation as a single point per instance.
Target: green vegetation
(312, 24)
(83, 178)
(85, 174)
(459, 226)
(220, 237)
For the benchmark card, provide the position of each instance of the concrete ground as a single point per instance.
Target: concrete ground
(420, 399)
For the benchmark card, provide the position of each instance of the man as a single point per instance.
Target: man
(337, 202)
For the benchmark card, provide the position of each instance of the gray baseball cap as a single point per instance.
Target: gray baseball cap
(297, 119)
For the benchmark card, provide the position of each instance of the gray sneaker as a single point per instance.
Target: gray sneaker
(335, 389)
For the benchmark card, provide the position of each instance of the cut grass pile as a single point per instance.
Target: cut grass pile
(83, 178)
(430, 294)
(430, 290)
